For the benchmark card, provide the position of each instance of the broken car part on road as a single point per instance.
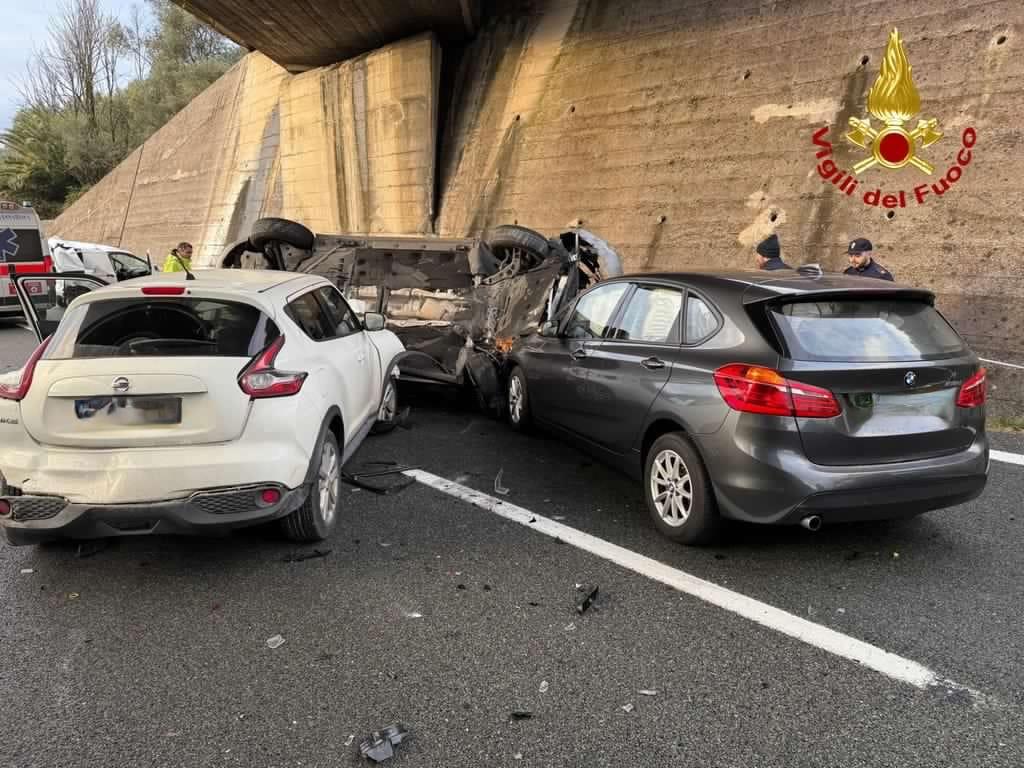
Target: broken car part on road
(458, 305)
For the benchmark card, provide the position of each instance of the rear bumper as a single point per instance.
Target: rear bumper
(36, 519)
(761, 475)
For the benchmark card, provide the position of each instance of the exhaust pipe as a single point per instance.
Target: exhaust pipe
(811, 522)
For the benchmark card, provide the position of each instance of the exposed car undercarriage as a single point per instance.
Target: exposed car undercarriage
(457, 304)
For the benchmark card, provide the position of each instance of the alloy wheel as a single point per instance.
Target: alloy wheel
(328, 482)
(515, 399)
(671, 488)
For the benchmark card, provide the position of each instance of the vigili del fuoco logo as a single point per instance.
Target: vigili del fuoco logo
(894, 102)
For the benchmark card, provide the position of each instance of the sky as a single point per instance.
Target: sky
(23, 25)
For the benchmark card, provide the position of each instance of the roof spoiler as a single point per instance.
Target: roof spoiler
(885, 291)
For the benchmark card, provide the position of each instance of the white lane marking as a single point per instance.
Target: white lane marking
(769, 616)
(999, 362)
(1006, 457)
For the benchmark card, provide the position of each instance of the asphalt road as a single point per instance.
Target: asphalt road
(436, 613)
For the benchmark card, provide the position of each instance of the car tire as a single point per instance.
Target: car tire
(506, 239)
(678, 493)
(318, 515)
(519, 414)
(387, 414)
(281, 230)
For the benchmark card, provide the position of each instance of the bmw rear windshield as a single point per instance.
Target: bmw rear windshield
(865, 330)
(180, 327)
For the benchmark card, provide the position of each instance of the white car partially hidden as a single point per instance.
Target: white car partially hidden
(180, 404)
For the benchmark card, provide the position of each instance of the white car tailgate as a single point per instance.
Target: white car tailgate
(136, 402)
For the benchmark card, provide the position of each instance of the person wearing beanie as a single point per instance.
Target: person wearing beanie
(767, 254)
(862, 263)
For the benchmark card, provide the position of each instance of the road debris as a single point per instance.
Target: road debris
(517, 756)
(413, 615)
(73, 595)
(498, 487)
(350, 739)
(585, 597)
(275, 642)
(543, 686)
(558, 517)
(26, 571)
(522, 714)
(381, 744)
(627, 708)
(648, 692)
(570, 627)
(91, 548)
(298, 557)
(358, 479)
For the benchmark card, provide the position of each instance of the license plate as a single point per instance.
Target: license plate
(129, 411)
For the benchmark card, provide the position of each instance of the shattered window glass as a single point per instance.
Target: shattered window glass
(700, 320)
(652, 315)
(593, 312)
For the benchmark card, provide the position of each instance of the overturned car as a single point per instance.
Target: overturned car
(458, 305)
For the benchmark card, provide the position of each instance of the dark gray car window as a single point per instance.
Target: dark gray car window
(594, 311)
(310, 317)
(701, 321)
(342, 318)
(652, 315)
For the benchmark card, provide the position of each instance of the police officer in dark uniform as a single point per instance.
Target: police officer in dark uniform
(861, 262)
(767, 254)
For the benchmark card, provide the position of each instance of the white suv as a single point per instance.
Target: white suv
(180, 404)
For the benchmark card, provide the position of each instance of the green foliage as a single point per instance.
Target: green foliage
(56, 149)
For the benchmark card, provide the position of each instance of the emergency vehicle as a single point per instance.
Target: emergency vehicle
(23, 250)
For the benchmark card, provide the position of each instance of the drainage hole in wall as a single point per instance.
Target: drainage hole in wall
(1001, 39)
(890, 215)
(864, 60)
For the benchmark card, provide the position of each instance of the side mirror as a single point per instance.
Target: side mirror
(374, 321)
(549, 329)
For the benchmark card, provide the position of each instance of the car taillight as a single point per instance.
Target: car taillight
(261, 379)
(974, 391)
(47, 264)
(19, 390)
(752, 389)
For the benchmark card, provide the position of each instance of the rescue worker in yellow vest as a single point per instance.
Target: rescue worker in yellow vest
(179, 259)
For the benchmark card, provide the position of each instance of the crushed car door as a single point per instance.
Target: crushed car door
(558, 374)
(630, 367)
(45, 297)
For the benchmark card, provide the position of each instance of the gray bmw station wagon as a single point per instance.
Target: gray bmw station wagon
(776, 398)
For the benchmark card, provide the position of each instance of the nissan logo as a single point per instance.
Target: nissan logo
(910, 378)
(121, 384)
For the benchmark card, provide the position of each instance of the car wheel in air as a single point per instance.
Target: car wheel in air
(678, 492)
(387, 415)
(282, 230)
(318, 515)
(519, 414)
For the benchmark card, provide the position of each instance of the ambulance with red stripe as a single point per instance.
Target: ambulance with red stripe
(23, 250)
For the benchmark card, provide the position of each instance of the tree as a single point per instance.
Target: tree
(82, 113)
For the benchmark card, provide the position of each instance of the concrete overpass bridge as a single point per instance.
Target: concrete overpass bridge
(682, 131)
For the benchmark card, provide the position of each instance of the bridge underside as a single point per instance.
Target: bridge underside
(299, 35)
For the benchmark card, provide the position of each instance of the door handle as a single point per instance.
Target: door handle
(579, 354)
(652, 364)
